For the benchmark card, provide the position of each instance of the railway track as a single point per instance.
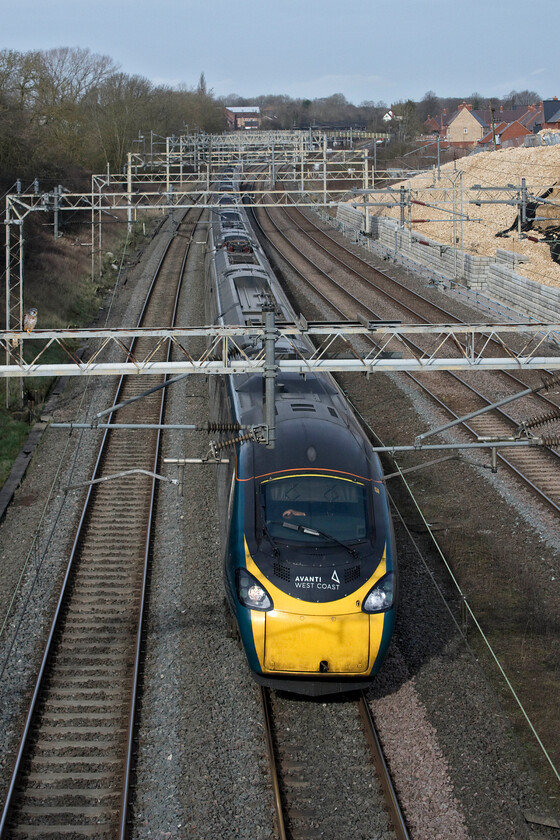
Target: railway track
(348, 285)
(329, 775)
(71, 775)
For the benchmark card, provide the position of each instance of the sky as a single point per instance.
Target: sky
(368, 50)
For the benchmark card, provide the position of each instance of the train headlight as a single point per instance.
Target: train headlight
(251, 593)
(380, 597)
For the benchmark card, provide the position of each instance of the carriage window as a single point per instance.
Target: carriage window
(336, 506)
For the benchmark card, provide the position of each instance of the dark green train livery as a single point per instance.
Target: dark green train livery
(308, 544)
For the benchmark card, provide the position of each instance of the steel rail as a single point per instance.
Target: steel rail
(149, 527)
(290, 213)
(552, 453)
(383, 772)
(62, 600)
(423, 301)
(540, 397)
(322, 235)
(272, 763)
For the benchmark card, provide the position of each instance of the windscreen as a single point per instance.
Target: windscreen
(230, 219)
(332, 505)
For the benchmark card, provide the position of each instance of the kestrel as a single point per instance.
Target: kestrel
(30, 319)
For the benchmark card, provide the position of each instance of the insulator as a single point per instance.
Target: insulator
(224, 444)
(231, 353)
(540, 419)
(551, 379)
(551, 440)
(223, 427)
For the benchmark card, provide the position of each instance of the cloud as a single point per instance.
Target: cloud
(525, 82)
(356, 87)
(161, 81)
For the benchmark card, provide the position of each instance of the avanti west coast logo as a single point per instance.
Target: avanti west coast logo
(317, 582)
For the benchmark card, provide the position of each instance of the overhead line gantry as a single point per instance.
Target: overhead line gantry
(296, 167)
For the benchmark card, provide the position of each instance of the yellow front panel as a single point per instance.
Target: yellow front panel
(297, 634)
(287, 603)
(300, 642)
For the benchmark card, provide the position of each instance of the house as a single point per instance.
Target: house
(390, 115)
(532, 118)
(465, 127)
(491, 127)
(246, 117)
(505, 134)
(551, 113)
(437, 125)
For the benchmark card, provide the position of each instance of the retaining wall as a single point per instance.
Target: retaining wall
(496, 277)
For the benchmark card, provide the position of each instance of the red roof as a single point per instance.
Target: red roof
(504, 131)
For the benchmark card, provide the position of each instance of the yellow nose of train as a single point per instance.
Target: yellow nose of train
(332, 638)
(335, 644)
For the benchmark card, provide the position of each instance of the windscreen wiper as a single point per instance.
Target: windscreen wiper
(267, 533)
(271, 539)
(314, 532)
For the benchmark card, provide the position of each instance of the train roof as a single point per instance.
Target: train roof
(321, 443)
(314, 427)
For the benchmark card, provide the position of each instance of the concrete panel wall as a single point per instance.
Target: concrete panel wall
(496, 277)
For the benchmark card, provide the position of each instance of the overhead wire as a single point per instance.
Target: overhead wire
(464, 602)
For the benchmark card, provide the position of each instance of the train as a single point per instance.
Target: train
(309, 555)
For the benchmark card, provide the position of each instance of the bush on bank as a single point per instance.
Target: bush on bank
(58, 282)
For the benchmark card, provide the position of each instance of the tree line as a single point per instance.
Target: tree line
(70, 108)
(69, 111)
(335, 111)
(404, 128)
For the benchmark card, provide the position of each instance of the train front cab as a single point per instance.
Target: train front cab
(296, 642)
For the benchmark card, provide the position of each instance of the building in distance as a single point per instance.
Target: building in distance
(493, 127)
(246, 117)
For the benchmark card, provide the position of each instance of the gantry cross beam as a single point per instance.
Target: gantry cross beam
(445, 347)
(189, 170)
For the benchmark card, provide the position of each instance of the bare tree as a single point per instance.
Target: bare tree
(430, 106)
(18, 75)
(116, 111)
(515, 98)
(65, 75)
